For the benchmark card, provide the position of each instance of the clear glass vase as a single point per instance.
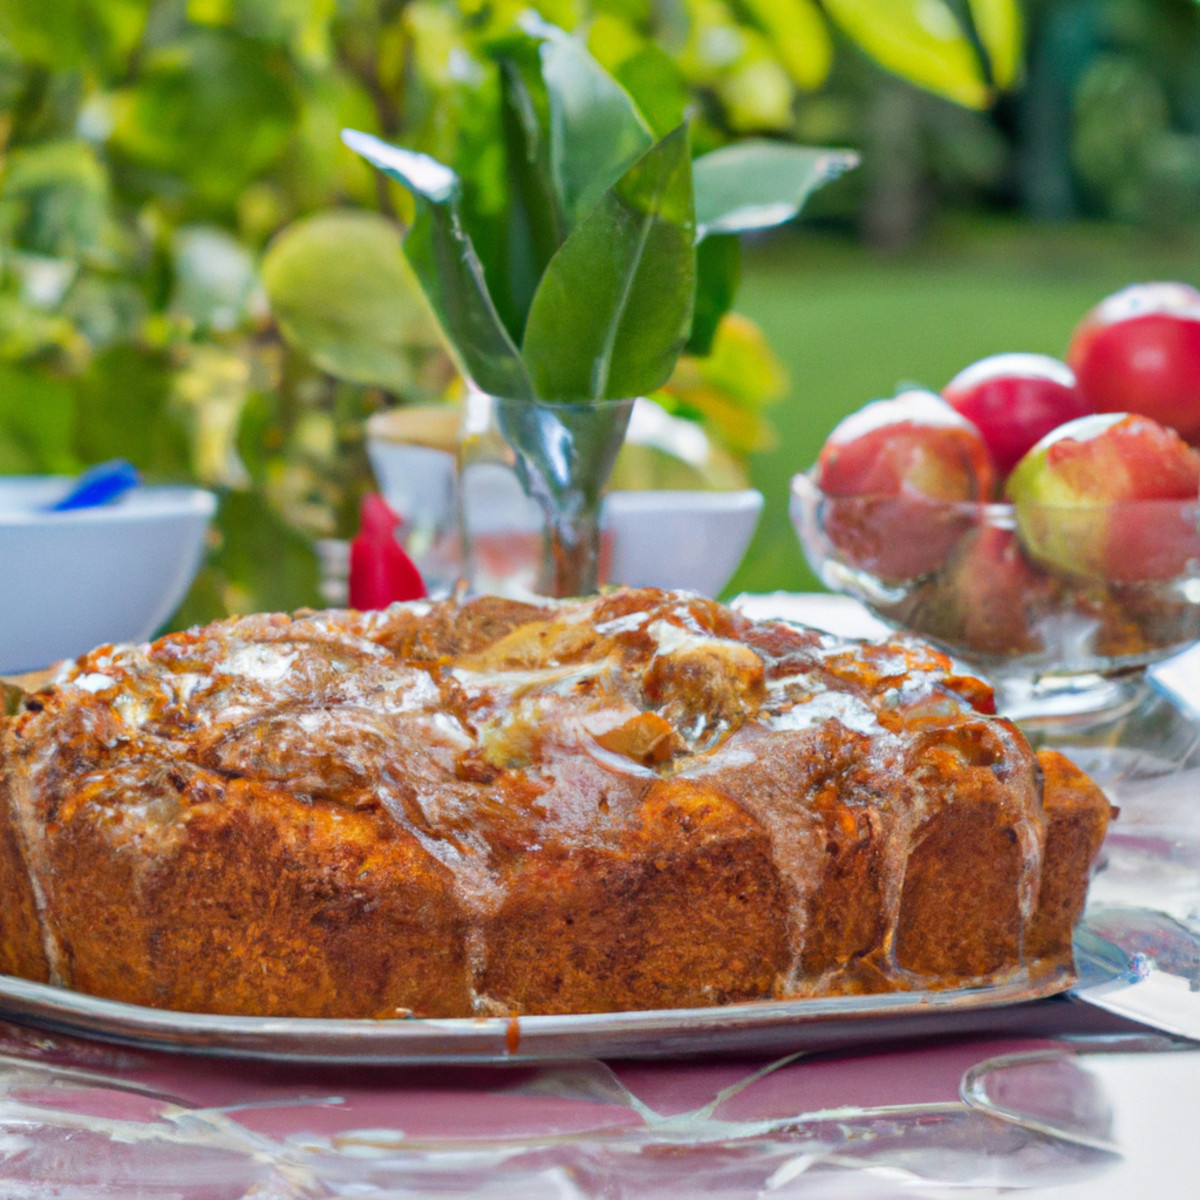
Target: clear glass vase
(532, 476)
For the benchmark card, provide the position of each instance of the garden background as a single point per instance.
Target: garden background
(195, 274)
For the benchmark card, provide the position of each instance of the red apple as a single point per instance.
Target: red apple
(913, 443)
(1138, 351)
(1014, 400)
(1111, 496)
(902, 475)
(993, 596)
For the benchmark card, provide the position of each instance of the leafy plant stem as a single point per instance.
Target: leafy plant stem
(565, 453)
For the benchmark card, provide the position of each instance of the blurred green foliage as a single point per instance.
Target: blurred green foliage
(1110, 115)
(165, 163)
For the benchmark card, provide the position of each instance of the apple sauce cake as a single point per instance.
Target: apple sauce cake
(640, 800)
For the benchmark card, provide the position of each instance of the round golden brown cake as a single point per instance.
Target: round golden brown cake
(642, 800)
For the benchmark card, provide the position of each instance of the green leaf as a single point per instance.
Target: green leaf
(27, 330)
(342, 292)
(921, 41)
(534, 224)
(1000, 28)
(613, 310)
(718, 270)
(301, 25)
(260, 436)
(105, 309)
(596, 131)
(755, 184)
(729, 386)
(798, 32)
(208, 391)
(441, 254)
(658, 86)
(757, 94)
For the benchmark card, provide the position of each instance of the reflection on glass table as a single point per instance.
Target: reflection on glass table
(975, 1116)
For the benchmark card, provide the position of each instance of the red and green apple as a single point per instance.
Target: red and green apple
(900, 477)
(1111, 496)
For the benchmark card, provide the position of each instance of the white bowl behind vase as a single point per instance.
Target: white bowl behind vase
(689, 540)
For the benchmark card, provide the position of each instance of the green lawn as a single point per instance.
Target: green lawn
(851, 326)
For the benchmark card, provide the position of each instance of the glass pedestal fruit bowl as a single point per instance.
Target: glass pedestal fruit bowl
(1061, 609)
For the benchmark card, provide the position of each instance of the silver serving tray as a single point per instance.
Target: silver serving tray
(768, 1027)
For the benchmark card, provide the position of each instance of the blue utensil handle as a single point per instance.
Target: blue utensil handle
(101, 484)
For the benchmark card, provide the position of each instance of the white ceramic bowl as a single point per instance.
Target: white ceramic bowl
(74, 580)
(690, 540)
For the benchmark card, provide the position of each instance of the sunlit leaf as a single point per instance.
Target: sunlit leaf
(26, 330)
(756, 184)
(800, 36)
(1001, 32)
(715, 42)
(614, 32)
(208, 394)
(920, 40)
(614, 308)
(757, 93)
(596, 131)
(659, 88)
(342, 292)
(301, 25)
(435, 34)
(445, 262)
